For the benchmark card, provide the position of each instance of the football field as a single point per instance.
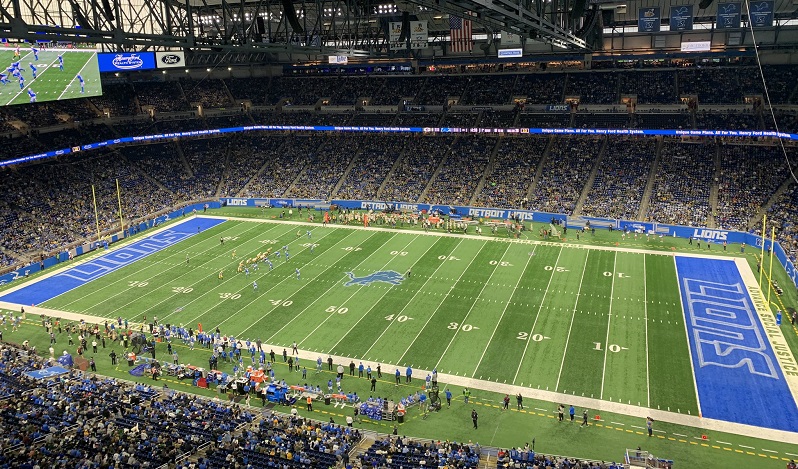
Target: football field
(595, 323)
(51, 83)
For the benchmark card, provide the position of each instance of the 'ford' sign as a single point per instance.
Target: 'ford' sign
(170, 59)
(126, 61)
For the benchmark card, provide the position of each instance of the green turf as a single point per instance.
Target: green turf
(606, 324)
(51, 83)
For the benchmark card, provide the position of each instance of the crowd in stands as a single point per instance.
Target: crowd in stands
(511, 175)
(564, 173)
(402, 452)
(377, 155)
(650, 87)
(460, 174)
(409, 178)
(324, 168)
(682, 183)
(621, 179)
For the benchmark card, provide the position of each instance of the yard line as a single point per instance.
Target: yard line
(769, 451)
(722, 442)
(747, 447)
(645, 318)
(687, 334)
(411, 299)
(355, 291)
(506, 305)
(179, 276)
(540, 308)
(617, 423)
(679, 434)
(76, 75)
(439, 304)
(609, 322)
(136, 272)
(323, 295)
(259, 296)
(375, 302)
(571, 325)
(213, 290)
(495, 268)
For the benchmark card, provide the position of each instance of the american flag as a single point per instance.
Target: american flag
(460, 31)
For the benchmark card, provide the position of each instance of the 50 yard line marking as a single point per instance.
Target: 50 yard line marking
(609, 321)
(540, 308)
(571, 325)
(506, 305)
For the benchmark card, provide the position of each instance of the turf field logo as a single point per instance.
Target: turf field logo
(387, 276)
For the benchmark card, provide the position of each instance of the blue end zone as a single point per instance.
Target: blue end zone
(49, 288)
(737, 374)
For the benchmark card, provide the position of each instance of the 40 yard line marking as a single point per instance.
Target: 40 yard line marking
(540, 308)
(357, 290)
(609, 321)
(495, 268)
(506, 305)
(411, 299)
(571, 325)
(439, 304)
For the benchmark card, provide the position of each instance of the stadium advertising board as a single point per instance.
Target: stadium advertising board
(337, 59)
(32, 75)
(503, 53)
(170, 59)
(696, 46)
(648, 20)
(761, 14)
(728, 16)
(126, 61)
(681, 18)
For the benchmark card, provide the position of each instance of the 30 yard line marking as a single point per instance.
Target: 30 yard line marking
(437, 308)
(609, 321)
(540, 308)
(571, 325)
(411, 300)
(451, 341)
(520, 276)
(645, 318)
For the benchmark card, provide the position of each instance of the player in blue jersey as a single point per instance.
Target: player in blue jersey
(255, 286)
(61, 62)
(297, 273)
(270, 264)
(32, 95)
(80, 79)
(3, 78)
(33, 69)
(35, 52)
(21, 83)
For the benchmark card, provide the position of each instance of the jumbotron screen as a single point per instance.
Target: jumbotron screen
(34, 73)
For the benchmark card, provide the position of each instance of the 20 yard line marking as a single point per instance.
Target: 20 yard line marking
(609, 321)
(571, 325)
(540, 308)
(521, 276)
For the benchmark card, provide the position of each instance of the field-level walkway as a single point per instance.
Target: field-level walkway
(596, 406)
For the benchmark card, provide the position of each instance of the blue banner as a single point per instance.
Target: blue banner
(728, 16)
(126, 61)
(47, 372)
(681, 18)
(761, 14)
(648, 20)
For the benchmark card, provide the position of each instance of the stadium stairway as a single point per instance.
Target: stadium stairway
(539, 170)
(652, 177)
(345, 173)
(713, 191)
(487, 172)
(591, 178)
(444, 160)
(388, 176)
(756, 220)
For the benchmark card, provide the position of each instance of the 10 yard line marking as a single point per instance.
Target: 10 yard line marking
(366, 354)
(451, 341)
(506, 305)
(439, 304)
(540, 308)
(571, 325)
(609, 321)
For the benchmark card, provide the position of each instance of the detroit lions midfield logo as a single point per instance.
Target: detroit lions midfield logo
(387, 276)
